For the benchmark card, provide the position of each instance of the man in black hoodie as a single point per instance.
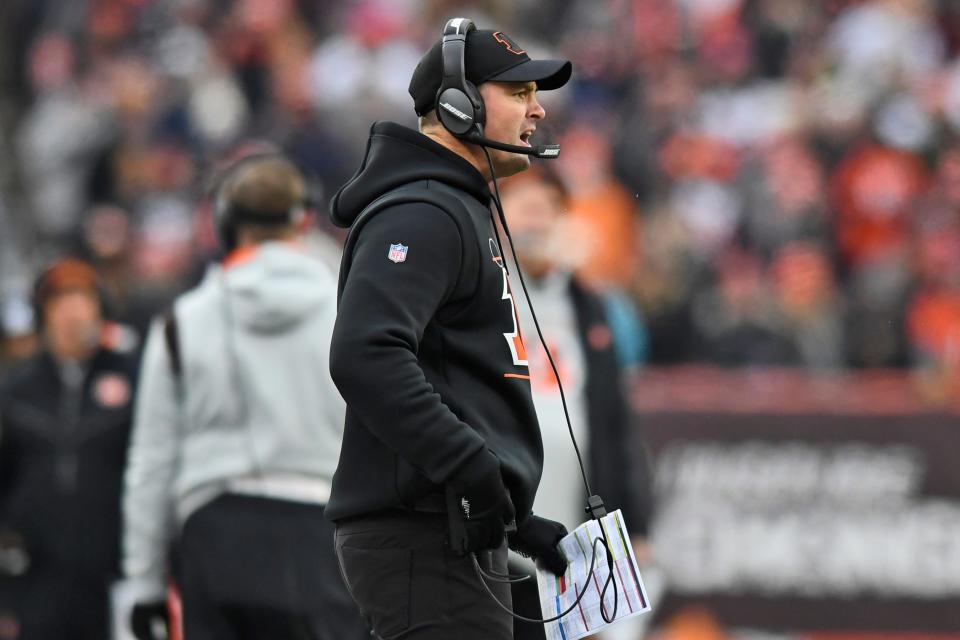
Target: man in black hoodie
(428, 356)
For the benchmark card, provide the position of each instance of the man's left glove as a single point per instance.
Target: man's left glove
(537, 538)
(150, 621)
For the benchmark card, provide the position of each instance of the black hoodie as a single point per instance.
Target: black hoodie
(426, 349)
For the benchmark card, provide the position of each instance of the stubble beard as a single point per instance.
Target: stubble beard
(507, 164)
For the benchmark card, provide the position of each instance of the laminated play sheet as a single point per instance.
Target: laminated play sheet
(624, 597)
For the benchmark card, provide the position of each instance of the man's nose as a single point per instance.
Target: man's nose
(536, 110)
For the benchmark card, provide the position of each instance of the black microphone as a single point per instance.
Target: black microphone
(545, 151)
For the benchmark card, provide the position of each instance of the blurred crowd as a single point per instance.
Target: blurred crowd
(764, 182)
(772, 182)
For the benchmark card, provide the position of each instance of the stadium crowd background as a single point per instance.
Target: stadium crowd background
(773, 182)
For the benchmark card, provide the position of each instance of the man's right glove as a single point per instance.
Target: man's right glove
(150, 621)
(537, 538)
(478, 505)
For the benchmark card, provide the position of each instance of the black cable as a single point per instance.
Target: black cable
(503, 578)
(576, 603)
(536, 322)
(566, 413)
(606, 583)
(506, 578)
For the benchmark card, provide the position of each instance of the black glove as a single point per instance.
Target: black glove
(150, 621)
(538, 538)
(478, 505)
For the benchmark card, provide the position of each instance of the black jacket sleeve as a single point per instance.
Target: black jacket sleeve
(384, 309)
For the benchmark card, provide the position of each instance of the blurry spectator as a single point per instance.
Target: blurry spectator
(17, 325)
(662, 103)
(877, 42)
(18, 338)
(108, 239)
(65, 426)
(934, 332)
(59, 136)
(668, 279)
(710, 123)
(808, 304)
(933, 315)
(630, 339)
(739, 320)
(875, 323)
(577, 331)
(785, 196)
(368, 62)
(164, 256)
(237, 434)
(602, 209)
(14, 273)
(874, 193)
(711, 209)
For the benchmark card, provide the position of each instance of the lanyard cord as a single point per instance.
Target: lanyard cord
(536, 322)
(480, 574)
(595, 505)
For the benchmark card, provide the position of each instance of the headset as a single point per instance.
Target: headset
(459, 104)
(37, 297)
(460, 109)
(228, 215)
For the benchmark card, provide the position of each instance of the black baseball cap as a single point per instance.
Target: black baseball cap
(489, 55)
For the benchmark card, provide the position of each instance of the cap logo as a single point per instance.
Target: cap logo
(510, 45)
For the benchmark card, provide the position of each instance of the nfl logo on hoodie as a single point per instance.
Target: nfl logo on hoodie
(398, 253)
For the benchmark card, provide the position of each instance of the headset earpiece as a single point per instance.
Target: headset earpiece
(459, 114)
(223, 222)
(459, 105)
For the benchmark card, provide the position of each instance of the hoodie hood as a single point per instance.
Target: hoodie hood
(397, 156)
(277, 287)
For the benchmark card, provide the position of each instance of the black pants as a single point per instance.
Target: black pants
(257, 568)
(409, 585)
(53, 605)
(526, 602)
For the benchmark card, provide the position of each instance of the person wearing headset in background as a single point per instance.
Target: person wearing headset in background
(576, 328)
(428, 356)
(64, 427)
(237, 432)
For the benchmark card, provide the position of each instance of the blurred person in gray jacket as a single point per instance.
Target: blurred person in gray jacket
(237, 433)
